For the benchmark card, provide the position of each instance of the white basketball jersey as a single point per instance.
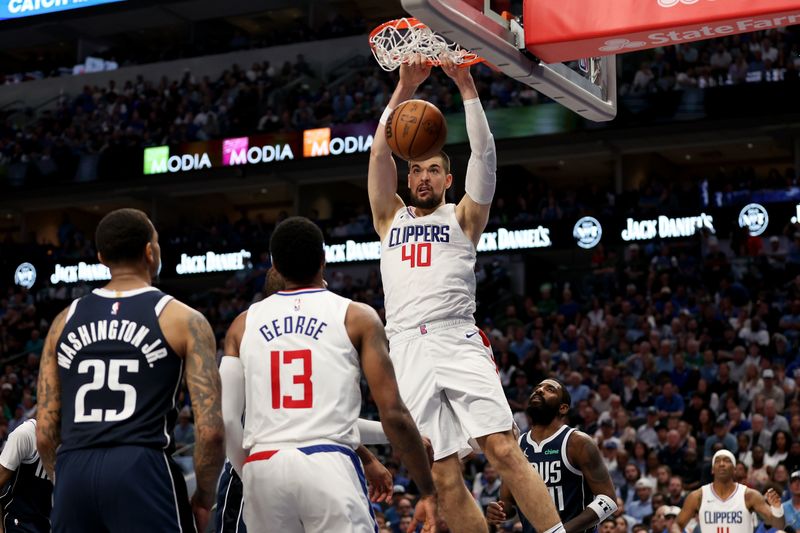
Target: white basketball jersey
(724, 516)
(301, 371)
(428, 269)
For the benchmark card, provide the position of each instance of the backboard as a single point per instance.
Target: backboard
(592, 94)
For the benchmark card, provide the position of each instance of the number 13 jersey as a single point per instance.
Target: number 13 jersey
(301, 372)
(428, 270)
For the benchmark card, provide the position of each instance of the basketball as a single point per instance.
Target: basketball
(416, 130)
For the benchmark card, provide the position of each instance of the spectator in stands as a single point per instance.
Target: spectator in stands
(184, 439)
(673, 454)
(773, 421)
(669, 403)
(720, 436)
(641, 507)
(627, 490)
(779, 448)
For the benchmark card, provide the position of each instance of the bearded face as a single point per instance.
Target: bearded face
(425, 197)
(542, 411)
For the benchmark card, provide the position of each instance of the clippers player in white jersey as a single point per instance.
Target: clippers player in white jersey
(297, 373)
(446, 372)
(725, 506)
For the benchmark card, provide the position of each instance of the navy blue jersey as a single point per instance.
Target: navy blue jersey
(27, 499)
(567, 487)
(119, 377)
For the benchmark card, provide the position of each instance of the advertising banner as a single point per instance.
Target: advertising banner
(14, 9)
(574, 29)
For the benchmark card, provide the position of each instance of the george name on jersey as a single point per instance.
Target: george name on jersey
(723, 517)
(299, 325)
(419, 233)
(109, 330)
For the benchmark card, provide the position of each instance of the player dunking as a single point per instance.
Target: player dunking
(444, 365)
(108, 385)
(568, 461)
(297, 371)
(724, 506)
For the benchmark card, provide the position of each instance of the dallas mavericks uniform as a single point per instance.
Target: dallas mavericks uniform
(303, 399)
(444, 364)
(119, 387)
(566, 484)
(26, 499)
(724, 516)
(229, 517)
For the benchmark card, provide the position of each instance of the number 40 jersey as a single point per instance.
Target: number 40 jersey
(428, 270)
(119, 377)
(301, 371)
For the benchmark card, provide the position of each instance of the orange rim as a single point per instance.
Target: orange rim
(409, 22)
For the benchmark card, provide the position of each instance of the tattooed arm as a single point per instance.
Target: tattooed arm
(585, 456)
(48, 397)
(203, 382)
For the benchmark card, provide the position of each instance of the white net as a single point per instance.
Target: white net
(393, 43)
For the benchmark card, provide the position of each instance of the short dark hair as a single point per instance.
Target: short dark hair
(441, 155)
(566, 397)
(297, 249)
(122, 235)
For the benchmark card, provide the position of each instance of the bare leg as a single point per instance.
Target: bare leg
(526, 485)
(459, 509)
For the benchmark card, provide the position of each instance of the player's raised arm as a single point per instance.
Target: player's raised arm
(689, 510)
(368, 336)
(767, 506)
(48, 394)
(203, 382)
(473, 209)
(231, 374)
(589, 461)
(382, 176)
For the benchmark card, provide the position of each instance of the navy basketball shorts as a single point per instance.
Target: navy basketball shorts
(123, 489)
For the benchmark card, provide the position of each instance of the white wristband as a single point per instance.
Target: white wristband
(385, 117)
(776, 512)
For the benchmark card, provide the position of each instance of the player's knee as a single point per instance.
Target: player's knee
(446, 477)
(502, 452)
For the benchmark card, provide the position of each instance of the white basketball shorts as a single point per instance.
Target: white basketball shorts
(313, 489)
(448, 380)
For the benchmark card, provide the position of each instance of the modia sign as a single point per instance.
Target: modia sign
(157, 160)
(338, 140)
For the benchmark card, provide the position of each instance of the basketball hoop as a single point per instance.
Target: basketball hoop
(395, 41)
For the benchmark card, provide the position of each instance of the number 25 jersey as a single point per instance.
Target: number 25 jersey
(301, 372)
(428, 270)
(119, 376)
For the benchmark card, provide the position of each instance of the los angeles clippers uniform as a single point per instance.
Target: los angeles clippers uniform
(26, 499)
(724, 516)
(119, 386)
(444, 364)
(303, 399)
(568, 488)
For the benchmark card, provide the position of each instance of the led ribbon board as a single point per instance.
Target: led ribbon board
(15, 9)
(574, 29)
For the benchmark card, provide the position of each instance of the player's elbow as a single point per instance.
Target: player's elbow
(396, 420)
